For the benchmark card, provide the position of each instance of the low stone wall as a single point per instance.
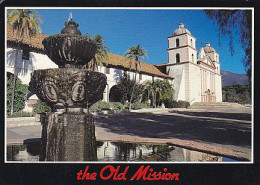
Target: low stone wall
(21, 122)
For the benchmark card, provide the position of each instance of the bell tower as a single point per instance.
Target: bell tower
(182, 46)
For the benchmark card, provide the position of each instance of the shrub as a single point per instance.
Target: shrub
(118, 106)
(20, 94)
(41, 107)
(136, 106)
(98, 106)
(22, 114)
(170, 103)
(176, 104)
(183, 104)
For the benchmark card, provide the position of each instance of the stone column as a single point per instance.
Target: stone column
(69, 137)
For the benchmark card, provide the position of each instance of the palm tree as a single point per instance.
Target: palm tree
(149, 87)
(25, 23)
(134, 53)
(160, 89)
(154, 87)
(101, 54)
(165, 90)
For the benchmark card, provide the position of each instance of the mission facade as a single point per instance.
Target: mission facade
(196, 74)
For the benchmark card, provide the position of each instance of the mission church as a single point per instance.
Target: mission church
(194, 76)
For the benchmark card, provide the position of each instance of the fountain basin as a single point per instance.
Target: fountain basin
(68, 88)
(74, 50)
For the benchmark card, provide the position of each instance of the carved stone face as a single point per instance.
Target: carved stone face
(68, 88)
(78, 91)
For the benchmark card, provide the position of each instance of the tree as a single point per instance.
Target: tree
(227, 20)
(101, 54)
(133, 54)
(125, 87)
(166, 92)
(25, 23)
(161, 90)
(150, 87)
(237, 93)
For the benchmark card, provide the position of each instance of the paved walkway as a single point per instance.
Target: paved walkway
(227, 136)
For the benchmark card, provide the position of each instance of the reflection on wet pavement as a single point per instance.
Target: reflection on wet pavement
(119, 151)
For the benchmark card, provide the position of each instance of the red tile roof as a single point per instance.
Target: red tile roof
(113, 59)
(122, 62)
(34, 42)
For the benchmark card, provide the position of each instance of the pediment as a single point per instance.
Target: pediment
(207, 61)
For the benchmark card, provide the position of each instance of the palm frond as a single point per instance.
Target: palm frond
(101, 53)
(135, 53)
(25, 22)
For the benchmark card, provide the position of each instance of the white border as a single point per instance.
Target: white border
(137, 8)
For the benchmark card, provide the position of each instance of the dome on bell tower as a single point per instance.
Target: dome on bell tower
(181, 30)
(208, 48)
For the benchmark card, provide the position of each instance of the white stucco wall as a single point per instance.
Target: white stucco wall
(42, 61)
(217, 70)
(195, 83)
(115, 74)
(25, 67)
(190, 57)
(192, 41)
(188, 82)
(184, 40)
(178, 71)
(183, 52)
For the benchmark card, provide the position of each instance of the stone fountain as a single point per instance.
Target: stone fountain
(68, 132)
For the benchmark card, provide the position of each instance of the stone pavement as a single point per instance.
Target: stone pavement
(222, 136)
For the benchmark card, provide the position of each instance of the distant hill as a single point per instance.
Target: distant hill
(229, 78)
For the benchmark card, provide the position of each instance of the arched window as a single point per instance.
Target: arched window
(177, 58)
(177, 42)
(191, 43)
(192, 58)
(216, 58)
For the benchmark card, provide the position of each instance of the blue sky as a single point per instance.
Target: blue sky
(123, 28)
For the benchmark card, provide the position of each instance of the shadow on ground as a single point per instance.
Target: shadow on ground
(169, 126)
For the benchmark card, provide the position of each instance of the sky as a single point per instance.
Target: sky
(124, 28)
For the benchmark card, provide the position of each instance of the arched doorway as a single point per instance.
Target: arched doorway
(114, 94)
